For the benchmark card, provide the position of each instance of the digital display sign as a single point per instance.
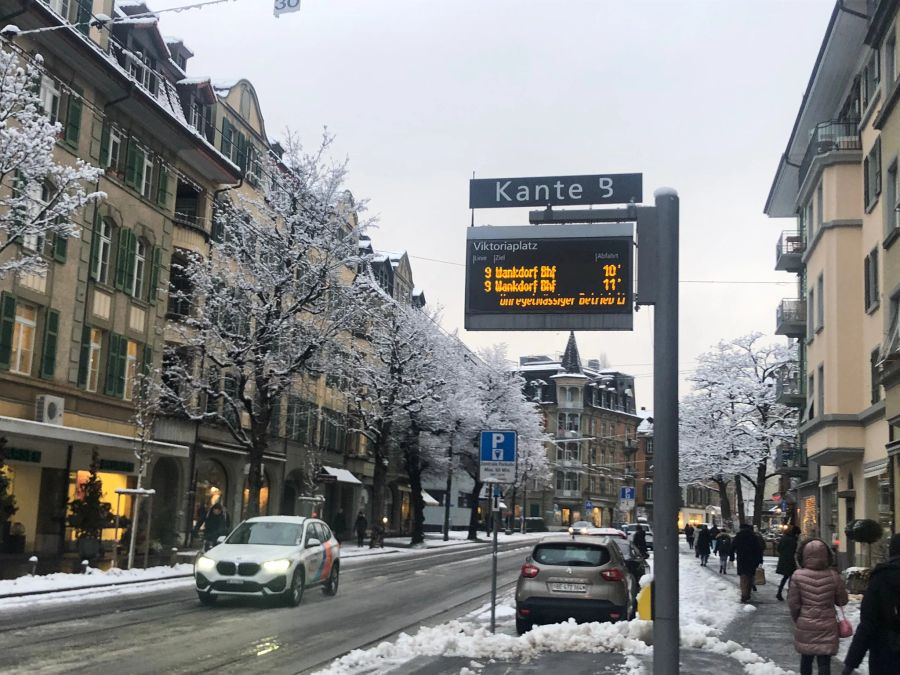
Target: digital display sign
(550, 277)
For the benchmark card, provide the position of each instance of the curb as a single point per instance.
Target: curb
(7, 596)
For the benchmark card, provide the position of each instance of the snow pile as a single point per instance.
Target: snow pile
(458, 638)
(60, 581)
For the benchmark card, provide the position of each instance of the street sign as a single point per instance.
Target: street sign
(550, 277)
(497, 456)
(619, 188)
(588, 505)
(626, 498)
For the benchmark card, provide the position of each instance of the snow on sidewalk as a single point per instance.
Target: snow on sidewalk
(708, 606)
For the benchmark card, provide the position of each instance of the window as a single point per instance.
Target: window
(253, 168)
(560, 480)
(820, 303)
(870, 271)
(890, 59)
(180, 288)
(61, 7)
(95, 347)
(22, 353)
(140, 259)
(143, 69)
(871, 77)
(113, 155)
(145, 183)
(38, 196)
(810, 314)
(131, 357)
(891, 214)
(50, 98)
(820, 207)
(808, 219)
(648, 492)
(245, 103)
(872, 174)
(874, 360)
(810, 400)
(820, 390)
(101, 247)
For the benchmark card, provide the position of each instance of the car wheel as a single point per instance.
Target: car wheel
(523, 626)
(331, 586)
(207, 599)
(294, 594)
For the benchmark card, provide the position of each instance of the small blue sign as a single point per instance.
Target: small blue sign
(498, 446)
(588, 505)
(626, 493)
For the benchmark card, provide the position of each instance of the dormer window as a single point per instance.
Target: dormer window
(143, 69)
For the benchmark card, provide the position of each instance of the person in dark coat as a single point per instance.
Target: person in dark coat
(689, 535)
(787, 557)
(215, 525)
(724, 551)
(703, 546)
(713, 537)
(640, 541)
(360, 526)
(339, 525)
(879, 619)
(816, 587)
(749, 556)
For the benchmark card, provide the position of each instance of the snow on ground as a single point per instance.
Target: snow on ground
(400, 545)
(94, 577)
(708, 605)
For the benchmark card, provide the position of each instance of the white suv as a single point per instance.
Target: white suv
(270, 556)
(631, 528)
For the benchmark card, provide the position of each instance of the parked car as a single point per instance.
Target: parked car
(585, 578)
(270, 556)
(635, 562)
(631, 528)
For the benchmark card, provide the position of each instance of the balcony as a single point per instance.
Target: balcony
(568, 494)
(790, 459)
(789, 252)
(829, 137)
(789, 387)
(790, 318)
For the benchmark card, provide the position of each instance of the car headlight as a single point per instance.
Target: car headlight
(205, 564)
(276, 566)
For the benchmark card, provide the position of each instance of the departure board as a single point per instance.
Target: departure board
(550, 277)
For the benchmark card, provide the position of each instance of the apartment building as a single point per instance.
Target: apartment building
(838, 180)
(590, 412)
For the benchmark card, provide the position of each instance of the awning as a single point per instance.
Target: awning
(875, 469)
(58, 432)
(342, 475)
(828, 481)
(429, 500)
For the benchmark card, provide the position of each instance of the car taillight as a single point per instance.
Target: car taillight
(612, 575)
(530, 571)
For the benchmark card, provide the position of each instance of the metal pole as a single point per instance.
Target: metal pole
(134, 517)
(449, 488)
(665, 432)
(495, 517)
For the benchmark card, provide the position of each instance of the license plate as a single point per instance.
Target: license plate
(569, 588)
(234, 582)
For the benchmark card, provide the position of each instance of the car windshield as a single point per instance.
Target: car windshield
(573, 555)
(266, 534)
(582, 523)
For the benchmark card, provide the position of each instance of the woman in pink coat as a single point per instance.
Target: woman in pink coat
(815, 589)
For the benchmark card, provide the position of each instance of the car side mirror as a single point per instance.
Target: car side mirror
(312, 543)
(220, 540)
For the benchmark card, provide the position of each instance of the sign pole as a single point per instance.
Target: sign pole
(665, 432)
(495, 516)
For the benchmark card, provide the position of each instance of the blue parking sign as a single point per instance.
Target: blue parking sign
(626, 493)
(498, 456)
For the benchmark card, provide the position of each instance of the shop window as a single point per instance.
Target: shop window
(263, 496)
(211, 488)
(112, 503)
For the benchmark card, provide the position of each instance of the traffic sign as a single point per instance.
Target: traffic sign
(588, 505)
(497, 456)
(626, 498)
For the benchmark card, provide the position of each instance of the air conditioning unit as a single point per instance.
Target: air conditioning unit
(49, 409)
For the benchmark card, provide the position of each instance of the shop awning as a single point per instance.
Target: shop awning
(342, 475)
(58, 432)
(429, 500)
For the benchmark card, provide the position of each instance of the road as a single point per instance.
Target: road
(171, 632)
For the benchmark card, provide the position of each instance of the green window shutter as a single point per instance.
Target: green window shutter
(84, 16)
(110, 387)
(60, 247)
(129, 259)
(7, 324)
(121, 259)
(84, 355)
(120, 366)
(241, 158)
(147, 360)
(73, 119)
(104, 146)
(227, 134)
(51, 335)
(154, 275)
(133, 158)
(162, 186)
(95, 248)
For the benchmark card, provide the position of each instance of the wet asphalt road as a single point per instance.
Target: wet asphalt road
(170, 632)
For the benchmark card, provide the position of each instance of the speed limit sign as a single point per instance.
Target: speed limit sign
(285, 6)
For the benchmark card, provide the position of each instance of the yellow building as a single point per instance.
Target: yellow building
(838, 180)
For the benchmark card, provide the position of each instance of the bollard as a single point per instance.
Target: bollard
(85, 565)
(174, 558)
(34, 561)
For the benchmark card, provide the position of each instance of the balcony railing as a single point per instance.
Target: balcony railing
(568, 493)
(790, 459)
(789, 386)
(789, 251)
(790, 318)
(829, 137)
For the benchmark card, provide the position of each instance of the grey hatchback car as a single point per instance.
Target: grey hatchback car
(583, 578)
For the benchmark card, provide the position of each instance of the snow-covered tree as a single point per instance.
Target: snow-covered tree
(40, 194)
(270, 301)
(731, 423)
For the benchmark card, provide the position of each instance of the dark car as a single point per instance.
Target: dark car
(634, 561)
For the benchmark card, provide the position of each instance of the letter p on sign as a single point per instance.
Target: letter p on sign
(497, 446)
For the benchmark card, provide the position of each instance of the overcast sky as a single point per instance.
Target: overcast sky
(699, 96)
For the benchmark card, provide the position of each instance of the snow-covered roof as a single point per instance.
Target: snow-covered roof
(416, 292)
(533, 367)
(194, 80)
(573, 376)
(224, 85)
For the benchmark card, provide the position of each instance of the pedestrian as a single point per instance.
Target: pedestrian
(814, 591)
(360, 527)
(339, 525)
(724, 550)
(640, 541)
(702, 548)
(689, 535)
(713, 536)
(215, 525)
(749, 556)
(787, 558)
(879, 619)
